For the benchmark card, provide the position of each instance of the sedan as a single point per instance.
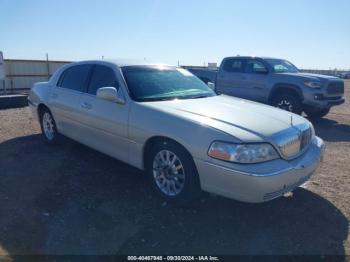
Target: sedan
(164, 120)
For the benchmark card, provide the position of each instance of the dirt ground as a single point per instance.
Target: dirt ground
(69, 199)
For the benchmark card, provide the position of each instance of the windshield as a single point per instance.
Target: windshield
(282, 66)
(155, 83)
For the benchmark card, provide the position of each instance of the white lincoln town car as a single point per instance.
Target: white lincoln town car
(164, 120)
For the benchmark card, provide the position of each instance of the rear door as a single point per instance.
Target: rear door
(105, 122)
(256, 80)
(64, 99)
(231, 77)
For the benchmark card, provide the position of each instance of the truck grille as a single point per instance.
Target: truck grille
(296, 143)
(335, 87)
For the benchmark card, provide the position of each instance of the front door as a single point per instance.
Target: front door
(105, 122)
(256, 81)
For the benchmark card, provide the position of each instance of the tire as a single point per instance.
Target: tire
(289, 102)
(48, 126)
(317, 114)
(173, 174)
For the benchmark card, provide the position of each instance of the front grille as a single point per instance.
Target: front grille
(291, 146)
(305, 138)
(335, 87)
(296, 143)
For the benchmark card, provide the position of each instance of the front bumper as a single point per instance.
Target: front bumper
(329, 100)
(320, 101)
(276, 177)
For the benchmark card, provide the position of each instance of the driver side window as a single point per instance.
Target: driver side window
(255, 67)
(102, 76)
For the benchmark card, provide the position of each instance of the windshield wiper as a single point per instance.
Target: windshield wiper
(194, 97)
(158, 99)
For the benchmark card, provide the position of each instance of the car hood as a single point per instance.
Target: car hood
(245, 120)
(311, 76)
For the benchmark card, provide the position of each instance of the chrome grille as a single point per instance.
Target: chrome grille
(291, 146)
(306, 136)
(294, 140)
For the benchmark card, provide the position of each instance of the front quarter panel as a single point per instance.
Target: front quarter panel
(147, 122)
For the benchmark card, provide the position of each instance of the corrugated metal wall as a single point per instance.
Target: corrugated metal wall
(22, 74)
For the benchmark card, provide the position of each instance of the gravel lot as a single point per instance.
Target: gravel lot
(69, 199)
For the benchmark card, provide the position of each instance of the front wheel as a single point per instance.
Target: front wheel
(48, 126)
(173, 173)
(317, 114)
(288, 102)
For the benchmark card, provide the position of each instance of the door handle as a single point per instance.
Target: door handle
(54, 95)
(243, 78)
(86, 106)
(257, 87)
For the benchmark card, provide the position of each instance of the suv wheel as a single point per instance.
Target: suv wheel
(173, 173)
(48, 126)
(316, 114)
(288, 102)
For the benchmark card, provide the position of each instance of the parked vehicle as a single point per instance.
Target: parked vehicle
(344, 75)
(275, 82)
(164, 120)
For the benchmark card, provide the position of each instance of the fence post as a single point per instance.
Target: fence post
(48, 66)
(4, 86)
(10, 74)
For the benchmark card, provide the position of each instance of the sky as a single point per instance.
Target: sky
(311, 34)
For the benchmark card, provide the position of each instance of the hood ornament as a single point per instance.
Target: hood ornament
(291, 120)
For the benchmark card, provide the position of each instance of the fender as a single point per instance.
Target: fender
(285, 86)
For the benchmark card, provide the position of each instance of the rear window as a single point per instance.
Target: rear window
(234, 65)
(75, 78)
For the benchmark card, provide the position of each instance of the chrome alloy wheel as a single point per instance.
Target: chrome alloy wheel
(286, 105)
(48, 126)
(168, 173)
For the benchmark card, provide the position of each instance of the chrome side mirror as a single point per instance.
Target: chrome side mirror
(110, 94)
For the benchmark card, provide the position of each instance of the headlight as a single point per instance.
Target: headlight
(242, 153)
(313, 84)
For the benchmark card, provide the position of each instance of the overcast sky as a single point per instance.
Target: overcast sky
(311, 34)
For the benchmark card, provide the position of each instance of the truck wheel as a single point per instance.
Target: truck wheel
(172, 172)
(288, 102)
(317, 114)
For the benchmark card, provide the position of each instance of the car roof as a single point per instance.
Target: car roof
(252, 57)
(121, 62)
